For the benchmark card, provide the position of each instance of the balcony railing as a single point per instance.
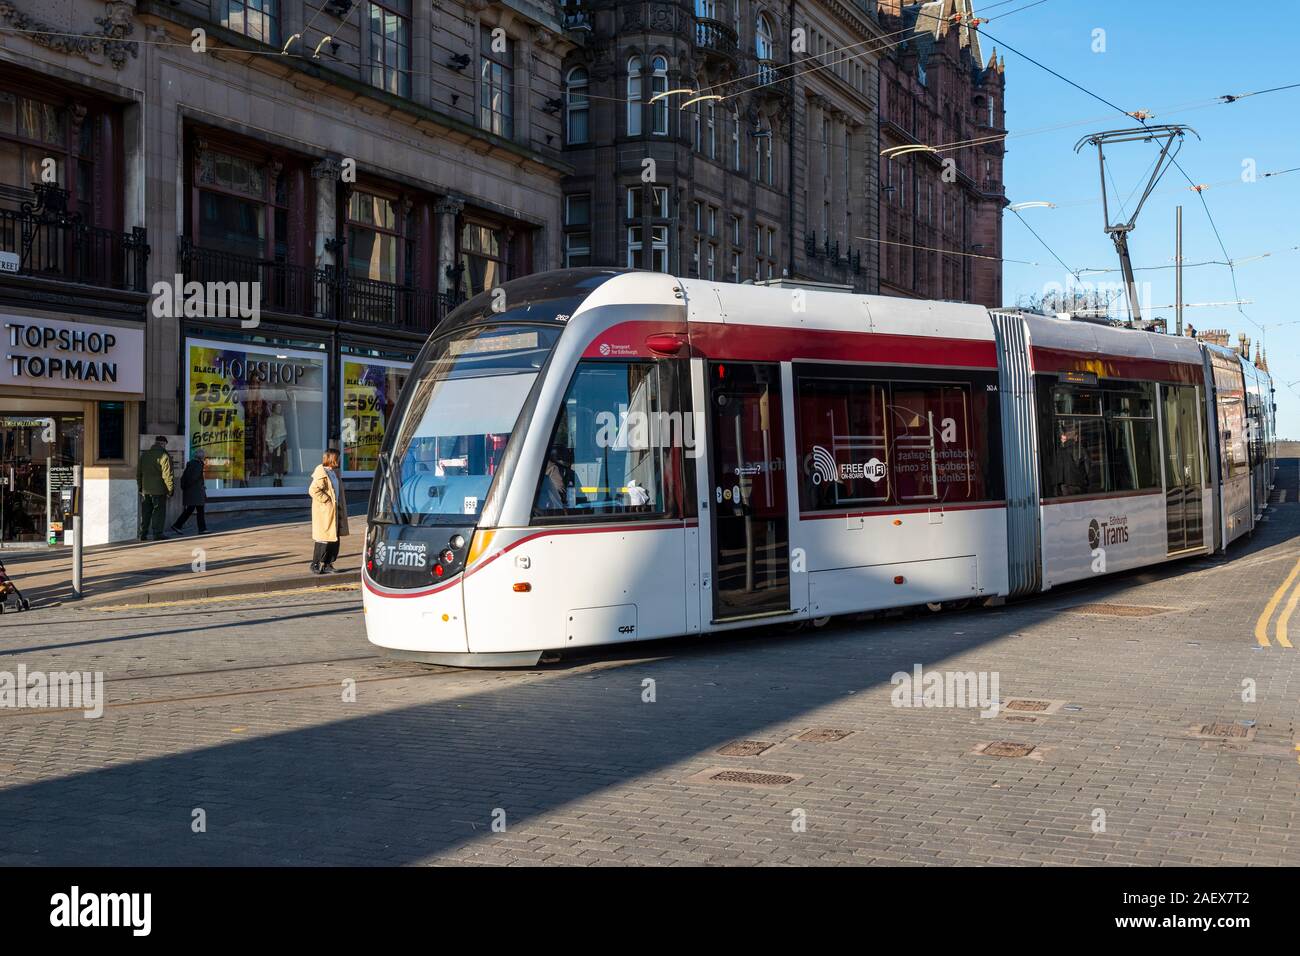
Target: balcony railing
(575, 17)
(712, 36)
(290, 289)
(332, 293)
(373, 302)
(49, 242)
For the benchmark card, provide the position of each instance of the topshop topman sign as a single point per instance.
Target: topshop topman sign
(45, 353)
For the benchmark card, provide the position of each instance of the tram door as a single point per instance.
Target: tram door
(751, 533)
(1182, 446)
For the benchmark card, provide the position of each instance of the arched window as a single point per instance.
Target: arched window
(634, 96)
(764, 49)
(763, 38)
(659, 84)
(575, 95)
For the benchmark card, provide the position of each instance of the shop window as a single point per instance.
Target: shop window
(258, 413)
(370, 391)
(111, 431)
(605, 455)
(390, 46)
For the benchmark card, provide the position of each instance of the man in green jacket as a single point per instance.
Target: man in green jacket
(153, 472)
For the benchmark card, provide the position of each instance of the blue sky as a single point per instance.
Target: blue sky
(1159, 58)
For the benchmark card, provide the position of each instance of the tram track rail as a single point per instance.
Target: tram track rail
(414, 673)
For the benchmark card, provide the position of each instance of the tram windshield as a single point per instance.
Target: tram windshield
(463, 405)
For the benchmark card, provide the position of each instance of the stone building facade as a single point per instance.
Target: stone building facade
(757, 160)
(937, 89)
(265, 205)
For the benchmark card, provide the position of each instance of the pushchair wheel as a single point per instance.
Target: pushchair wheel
(24, 604)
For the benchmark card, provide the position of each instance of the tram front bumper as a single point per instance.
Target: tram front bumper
(415, 622)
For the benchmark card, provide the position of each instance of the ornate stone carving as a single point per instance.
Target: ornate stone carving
(110, 42)
(327, 168)
(448, 206)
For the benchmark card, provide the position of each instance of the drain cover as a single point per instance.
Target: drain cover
(744, 748)
(1007, 748)
(824, 735)
(746, 776)
(1034, 706)
(1119, 610)
(1023, 720)
(1225, 730)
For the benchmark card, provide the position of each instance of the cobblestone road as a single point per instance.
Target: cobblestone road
(235, 713)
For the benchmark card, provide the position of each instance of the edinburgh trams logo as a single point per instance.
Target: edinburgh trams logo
(825, 468)
(402, 554)
(1114, 530)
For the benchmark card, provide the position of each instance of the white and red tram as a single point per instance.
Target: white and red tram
(603, 456)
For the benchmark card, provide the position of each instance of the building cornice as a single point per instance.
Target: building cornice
(856, 19)
(236, 43)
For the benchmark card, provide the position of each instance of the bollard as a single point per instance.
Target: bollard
(76, 530)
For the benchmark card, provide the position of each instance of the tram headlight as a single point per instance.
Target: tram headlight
(457, 541)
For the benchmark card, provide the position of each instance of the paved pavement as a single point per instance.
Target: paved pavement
(239, 713)
(239, 555)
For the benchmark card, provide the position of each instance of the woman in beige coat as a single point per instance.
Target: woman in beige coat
(329, 512)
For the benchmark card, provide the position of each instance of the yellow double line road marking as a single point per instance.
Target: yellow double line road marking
(1261, 626)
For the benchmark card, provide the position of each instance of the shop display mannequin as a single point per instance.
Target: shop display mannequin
(276, 437)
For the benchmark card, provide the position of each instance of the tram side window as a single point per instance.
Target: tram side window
(935, 450)
(1098, 438)
(605, 454)
(842, 439)
(1132, 454)
(1073, 448)
(877, 442)
(1232, 432)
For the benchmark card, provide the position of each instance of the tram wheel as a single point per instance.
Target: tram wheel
(958, 605)
(821, 621)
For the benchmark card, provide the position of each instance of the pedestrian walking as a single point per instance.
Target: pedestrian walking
(329, 513)
(153, 474)
(194, 494)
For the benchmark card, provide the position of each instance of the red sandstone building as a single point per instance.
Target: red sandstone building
(936, 89)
